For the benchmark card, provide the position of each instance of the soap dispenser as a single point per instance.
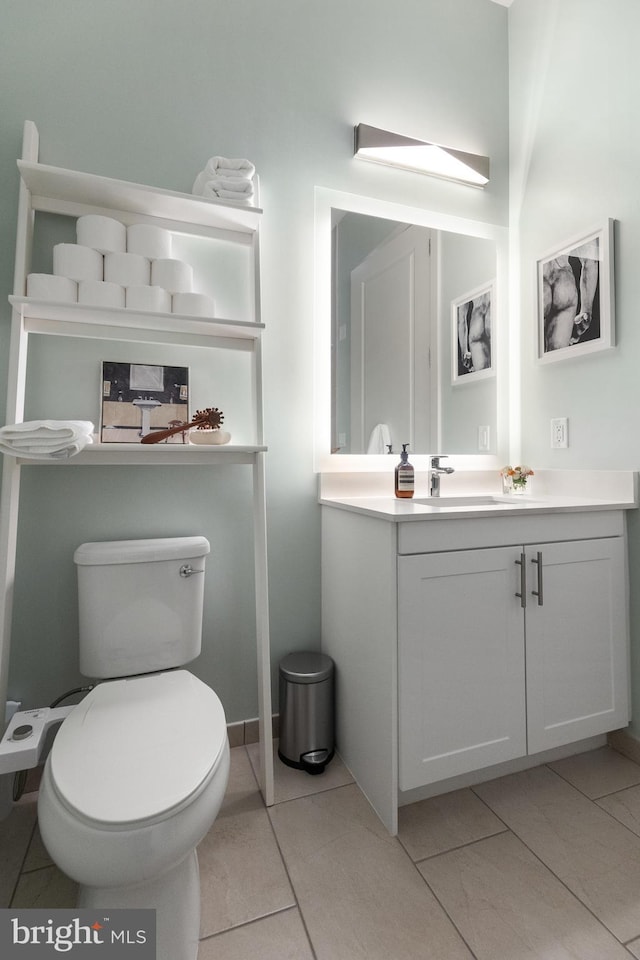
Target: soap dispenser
(404, 475)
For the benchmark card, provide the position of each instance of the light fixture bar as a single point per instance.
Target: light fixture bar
(419, 156)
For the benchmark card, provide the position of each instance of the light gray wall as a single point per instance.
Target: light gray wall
(147, 91)
(575, 157)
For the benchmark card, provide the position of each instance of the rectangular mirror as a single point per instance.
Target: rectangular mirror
(411, 326)
(411, 338)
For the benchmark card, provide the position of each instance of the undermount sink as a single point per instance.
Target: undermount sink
(485, 500)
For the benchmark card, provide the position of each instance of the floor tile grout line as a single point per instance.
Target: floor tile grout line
(459, 846)
(291, 883)
(285, 866)
(613, 793)
(414, 864)
(316, 793)
(594, 800)
(296, 904)
(21, 871)
(43, 866)
(616, 820)
(397, 842)
(582, 792)
(554, 874)
(573, 895)
(442, 906)
(486, 803)
(248, 923)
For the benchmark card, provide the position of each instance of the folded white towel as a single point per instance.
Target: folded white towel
(380, 439)
(46, 439)
(223, 167)
(221, 188)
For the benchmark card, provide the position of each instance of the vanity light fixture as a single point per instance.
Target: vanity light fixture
(419, 156)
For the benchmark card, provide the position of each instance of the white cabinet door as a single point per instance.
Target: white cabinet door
(576, 641)
(460, 663)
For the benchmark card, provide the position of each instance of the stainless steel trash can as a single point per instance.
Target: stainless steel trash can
(306, 711)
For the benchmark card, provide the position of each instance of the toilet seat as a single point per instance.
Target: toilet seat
(138, 749)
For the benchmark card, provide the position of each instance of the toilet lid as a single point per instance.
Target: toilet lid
(136, 749)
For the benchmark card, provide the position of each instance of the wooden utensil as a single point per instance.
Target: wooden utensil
(202, 419)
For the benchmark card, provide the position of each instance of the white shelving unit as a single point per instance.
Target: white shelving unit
(53, 190)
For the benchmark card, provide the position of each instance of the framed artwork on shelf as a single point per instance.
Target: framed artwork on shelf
(576, 297)
(138, 398)
(471, 335)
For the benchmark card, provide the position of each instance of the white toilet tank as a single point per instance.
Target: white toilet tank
(140, 604)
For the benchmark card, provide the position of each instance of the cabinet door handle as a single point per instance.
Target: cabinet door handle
(538, 593)
(523, 580)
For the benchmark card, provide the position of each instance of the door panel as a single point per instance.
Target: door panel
(576, 642)
(461, 663)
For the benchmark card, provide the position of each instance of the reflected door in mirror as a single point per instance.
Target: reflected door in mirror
(390, 341)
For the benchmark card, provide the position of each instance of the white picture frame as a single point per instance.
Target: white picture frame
(139, 398)
(472, 340)
(575, 296)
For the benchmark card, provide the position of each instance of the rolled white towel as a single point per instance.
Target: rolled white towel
(46, 439)
(380, 439)
(223, 167)
(224, 189)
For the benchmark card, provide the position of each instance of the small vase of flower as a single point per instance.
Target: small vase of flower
(515, 479)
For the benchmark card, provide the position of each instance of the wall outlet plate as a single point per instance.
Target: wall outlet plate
(484, 438)
(560, 433)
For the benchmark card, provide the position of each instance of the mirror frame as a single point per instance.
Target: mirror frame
(325, 200)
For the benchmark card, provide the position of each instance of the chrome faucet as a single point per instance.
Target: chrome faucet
(435, 472)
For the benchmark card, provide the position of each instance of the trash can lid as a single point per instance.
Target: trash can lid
(306, 667)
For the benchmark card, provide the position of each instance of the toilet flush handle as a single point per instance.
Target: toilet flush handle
(186, 570)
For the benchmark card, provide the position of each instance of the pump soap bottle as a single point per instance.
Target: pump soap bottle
(404, 475)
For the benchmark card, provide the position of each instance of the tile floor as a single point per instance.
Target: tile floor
(539, 865)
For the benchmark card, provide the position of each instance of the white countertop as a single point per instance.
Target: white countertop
(552, 492)
(399, 511)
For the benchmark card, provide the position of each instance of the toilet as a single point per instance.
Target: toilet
(138, 770)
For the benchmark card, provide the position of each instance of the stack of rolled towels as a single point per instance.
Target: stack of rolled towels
(226, 179)
(46, 439)
(118, 266)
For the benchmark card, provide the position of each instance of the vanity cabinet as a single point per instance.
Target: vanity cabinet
(461, 644)
(232, 230)
(507, 651)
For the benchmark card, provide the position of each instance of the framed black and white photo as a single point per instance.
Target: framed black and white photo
(138, 398)
(576, 296)
(471, 337)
